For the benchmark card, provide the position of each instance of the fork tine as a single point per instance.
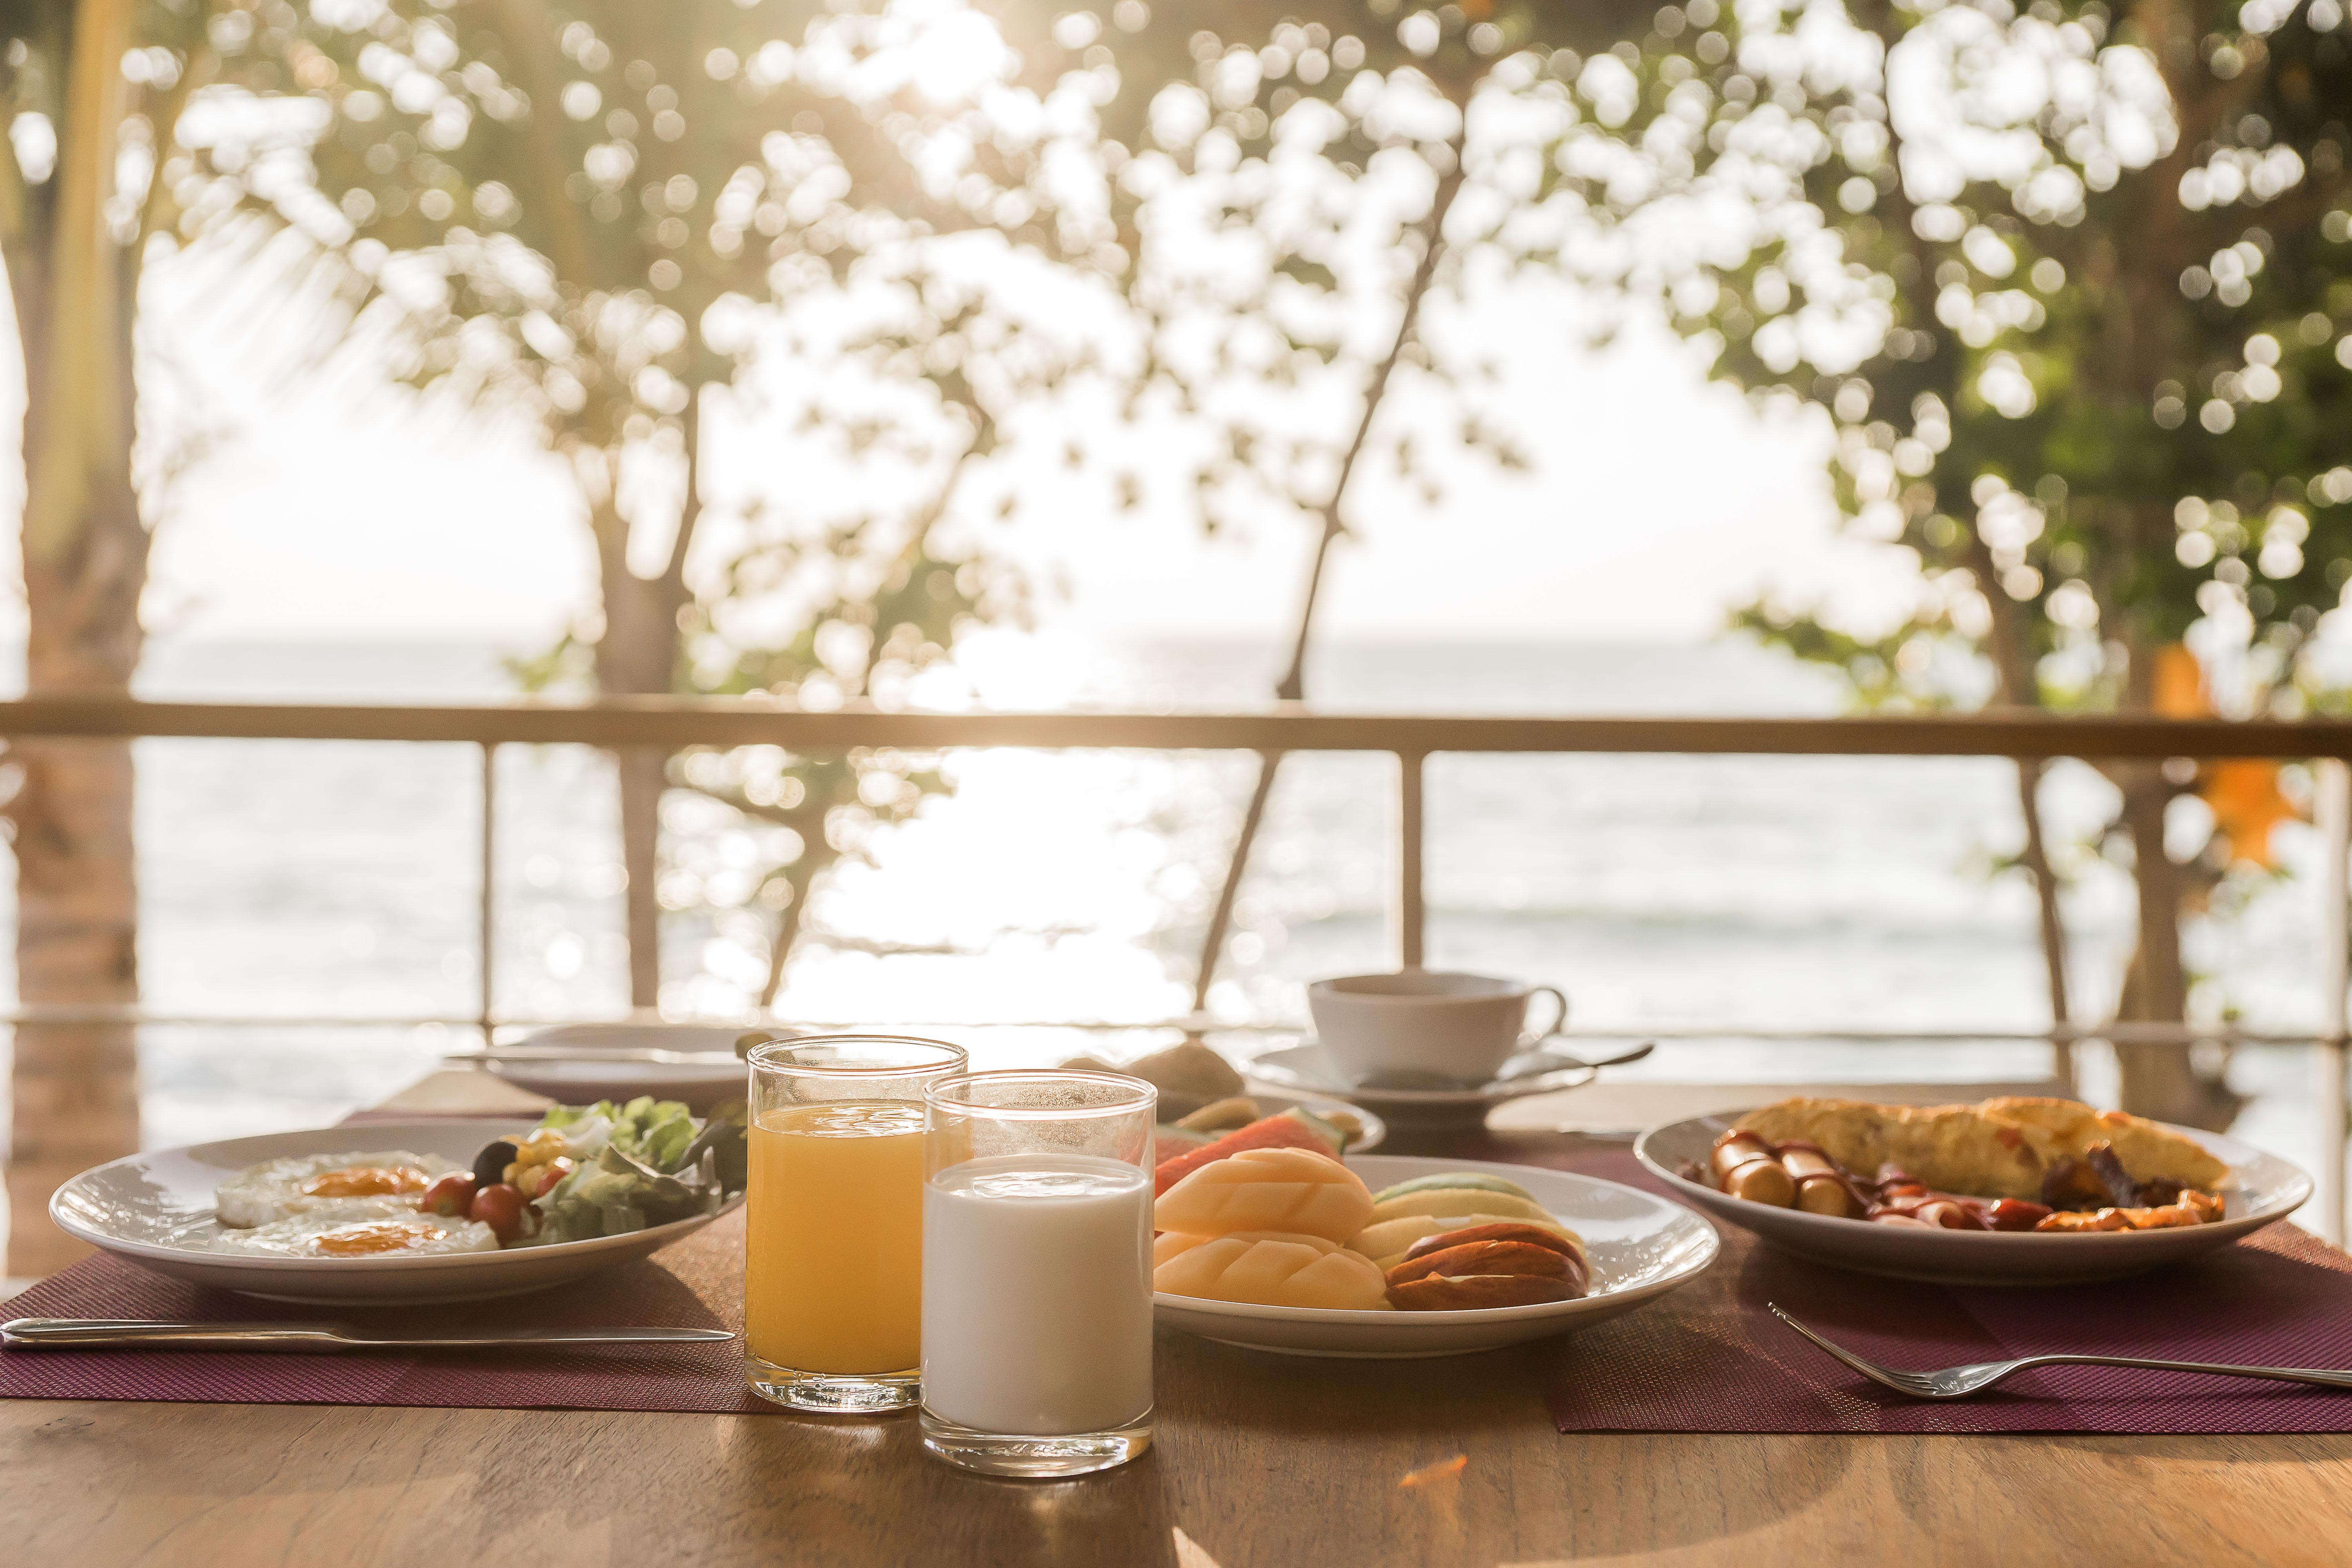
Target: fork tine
(1902, 1383)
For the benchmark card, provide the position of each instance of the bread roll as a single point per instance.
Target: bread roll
(1286, 1192)
(1268, 1269)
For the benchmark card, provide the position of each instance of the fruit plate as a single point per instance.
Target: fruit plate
(155, 1208)
(1270, 1103)
(1640, 1247)
(2263, 1190)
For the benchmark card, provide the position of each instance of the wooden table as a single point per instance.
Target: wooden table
(1260, 1462)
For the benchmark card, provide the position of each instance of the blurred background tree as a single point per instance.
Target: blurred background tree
(90, 91)
(1296, 192)
(592, 215)
(2074, 286)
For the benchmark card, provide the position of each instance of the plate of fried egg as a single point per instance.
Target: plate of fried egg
(447, 1210)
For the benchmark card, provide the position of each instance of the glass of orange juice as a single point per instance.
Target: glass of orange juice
(832, 1264)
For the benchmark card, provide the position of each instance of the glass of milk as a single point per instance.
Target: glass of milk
(1036, 1330)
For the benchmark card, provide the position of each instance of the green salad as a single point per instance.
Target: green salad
(589, 1171)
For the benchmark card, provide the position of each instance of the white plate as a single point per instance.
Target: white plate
(1640, 1246)
(585, 1080)
(2265, 1189)
(156, 1209)
(1270, 1103)
(1309, 1069)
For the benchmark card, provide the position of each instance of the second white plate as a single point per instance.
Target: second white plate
(156, 1209)
(2265, 1189)
(1640, 1247)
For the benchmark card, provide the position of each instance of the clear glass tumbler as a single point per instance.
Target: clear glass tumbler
(833, 1258)
(1038, 1271)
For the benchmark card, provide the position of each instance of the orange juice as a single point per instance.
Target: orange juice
(833, 1277)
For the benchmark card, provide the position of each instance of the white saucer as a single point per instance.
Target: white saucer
(1309, 1069)
(1640, 1245)
(2262, 1189)
(156, 1209)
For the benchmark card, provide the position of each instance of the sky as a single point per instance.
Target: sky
(330, 506)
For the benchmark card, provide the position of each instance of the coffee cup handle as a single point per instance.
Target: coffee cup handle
(1559, 1021)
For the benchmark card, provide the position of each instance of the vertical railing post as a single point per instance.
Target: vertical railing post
(2334, 816)
(487, 915)
(1412, 914)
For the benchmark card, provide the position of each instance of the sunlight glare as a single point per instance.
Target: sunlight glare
(956, 56)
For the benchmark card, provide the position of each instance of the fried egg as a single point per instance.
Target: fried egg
(305, 1184)
(357, 1228)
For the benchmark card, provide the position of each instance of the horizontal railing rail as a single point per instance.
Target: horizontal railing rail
(671, 723)
(675, 723)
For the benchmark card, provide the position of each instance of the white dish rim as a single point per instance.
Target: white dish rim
(491, 1128)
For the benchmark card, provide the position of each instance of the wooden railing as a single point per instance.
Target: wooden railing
(677, 723)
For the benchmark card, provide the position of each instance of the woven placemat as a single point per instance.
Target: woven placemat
(1710, 1358)
(695, 1284)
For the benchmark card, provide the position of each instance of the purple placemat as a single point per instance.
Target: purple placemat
(1710, 1358)
(696, 1284)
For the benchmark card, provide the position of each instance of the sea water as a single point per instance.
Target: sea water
(1037, 1294)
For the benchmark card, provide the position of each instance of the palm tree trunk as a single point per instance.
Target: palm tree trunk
(75, 1086)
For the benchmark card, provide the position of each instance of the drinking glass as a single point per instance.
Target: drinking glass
(834, 1255)
(1036, 1326)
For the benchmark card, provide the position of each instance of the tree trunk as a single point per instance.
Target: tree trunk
(76, 1087)
(637, 656)
(1292, 686)
(85, 551)
(2159, 1080)
(643, 775)
(634, 658)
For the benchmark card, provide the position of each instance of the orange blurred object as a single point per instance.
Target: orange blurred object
(2243, 792)
(1444, 1470)
(2179, 684)
(2243, 795)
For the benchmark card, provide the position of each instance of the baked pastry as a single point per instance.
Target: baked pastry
(1268, 1269)
(2149, 1152)
(1486, 1265)
(1386, 1242)
(1286, 1192)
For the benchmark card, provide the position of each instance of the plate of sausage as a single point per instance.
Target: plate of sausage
(2011, 1192)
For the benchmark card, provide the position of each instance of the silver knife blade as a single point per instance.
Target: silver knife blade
(40, 1333)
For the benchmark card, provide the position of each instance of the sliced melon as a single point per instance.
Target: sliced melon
(1455, 1179)
(1459, 1200)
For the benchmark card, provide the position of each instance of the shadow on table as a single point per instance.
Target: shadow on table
(1451, 1458)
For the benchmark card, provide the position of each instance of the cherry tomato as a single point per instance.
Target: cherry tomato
(502, 1208)
(542, 1179)
(453, 1194)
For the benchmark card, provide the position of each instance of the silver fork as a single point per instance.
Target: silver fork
(1959, 1382)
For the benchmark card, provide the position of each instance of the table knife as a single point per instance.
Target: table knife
(134, 1333)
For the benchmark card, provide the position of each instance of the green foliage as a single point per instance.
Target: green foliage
(2082, 342)
(595, 215)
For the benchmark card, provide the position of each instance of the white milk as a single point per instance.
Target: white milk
(1037, 1294)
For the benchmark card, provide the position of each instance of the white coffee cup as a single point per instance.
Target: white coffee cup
(1422, 1021)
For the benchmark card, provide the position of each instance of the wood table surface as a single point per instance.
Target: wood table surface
(1259, 1462)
